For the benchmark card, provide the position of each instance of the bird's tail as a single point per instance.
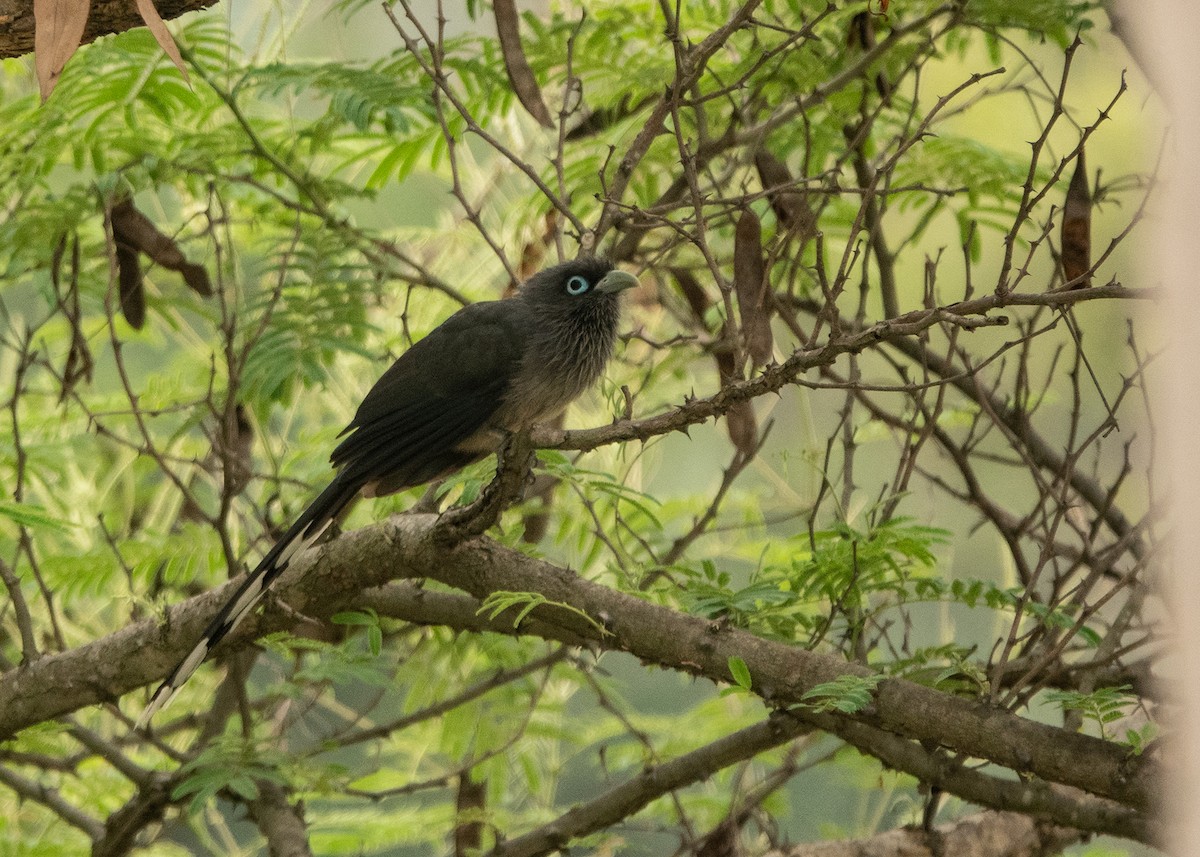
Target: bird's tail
(302, 534)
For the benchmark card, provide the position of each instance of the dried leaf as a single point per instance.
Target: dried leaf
(162, 35)
(1077, 228)
(58, 30)
(132, 288)
(533, 254)
(520, 75)
(749, 281)
(79, 364)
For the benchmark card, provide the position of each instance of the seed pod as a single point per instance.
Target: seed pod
(750, 283)
(693, 292)
(132, 288)
(135, 232)
(520, 75)
(1077, 228)
(740, 421)
(789, 204)
(196, 277)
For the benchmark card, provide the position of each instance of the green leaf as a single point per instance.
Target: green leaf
(363, 619)
(846, 694)
(31, 515)
(369, 620)
(740, 672)
(498, 602)
(1103, 705)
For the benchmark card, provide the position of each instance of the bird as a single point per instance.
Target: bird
(491, 369)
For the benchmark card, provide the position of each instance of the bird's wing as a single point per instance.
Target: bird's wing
(437, 395)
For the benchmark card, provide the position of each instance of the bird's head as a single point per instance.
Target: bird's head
(574, 309)
(583, 287)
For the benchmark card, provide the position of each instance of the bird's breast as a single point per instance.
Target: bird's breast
(536, 397)
(564, 355)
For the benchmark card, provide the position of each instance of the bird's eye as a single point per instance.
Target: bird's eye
(577, 285)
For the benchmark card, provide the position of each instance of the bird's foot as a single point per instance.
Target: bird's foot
(514, 464)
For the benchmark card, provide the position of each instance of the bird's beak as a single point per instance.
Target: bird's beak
(616, 281)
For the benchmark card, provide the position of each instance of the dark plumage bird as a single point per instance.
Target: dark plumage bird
(490, 369)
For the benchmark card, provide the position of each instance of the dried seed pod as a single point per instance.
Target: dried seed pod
(520, 75)
(789, 204)
(693, 292)
(1077, 228)
(750, 283)
(135, 230)
(196, 277)
(132, 288)
(135, 233)
(740, 421)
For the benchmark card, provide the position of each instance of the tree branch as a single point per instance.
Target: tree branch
(985, 834)
(629, 797)
(106, 16)
(281, 823)
(52, 800)
(329, 579)
(775, 377)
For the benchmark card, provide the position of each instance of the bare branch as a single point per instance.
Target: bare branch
(281, 823)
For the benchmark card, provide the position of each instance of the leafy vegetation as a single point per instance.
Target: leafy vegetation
(925, 494)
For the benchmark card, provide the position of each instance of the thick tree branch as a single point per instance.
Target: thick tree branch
(324, 581)
(629, 797)
(985, 834)
(106, 16)
(1034, 798)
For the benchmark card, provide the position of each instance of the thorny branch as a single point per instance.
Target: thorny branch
(951, 369)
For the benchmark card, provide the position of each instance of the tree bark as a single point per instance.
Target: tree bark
(333, 577)
(985, 834)
(280, 822)
(106, 16)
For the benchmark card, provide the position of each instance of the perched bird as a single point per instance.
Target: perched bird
(490, 369)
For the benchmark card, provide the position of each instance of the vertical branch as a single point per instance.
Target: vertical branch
(29, 645)
(690, 66)
(281, 822)
(435, 70)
